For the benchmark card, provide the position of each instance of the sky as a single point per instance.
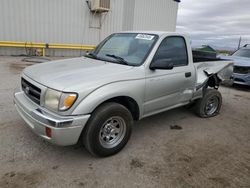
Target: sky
(218, 23)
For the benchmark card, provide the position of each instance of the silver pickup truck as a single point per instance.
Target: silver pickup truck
(95, 99)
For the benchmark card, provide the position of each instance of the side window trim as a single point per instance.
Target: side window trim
(185, 43)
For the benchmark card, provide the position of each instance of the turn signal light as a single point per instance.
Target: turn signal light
(68, 101)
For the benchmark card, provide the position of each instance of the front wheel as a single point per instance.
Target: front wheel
(210, 104)
(108, 129)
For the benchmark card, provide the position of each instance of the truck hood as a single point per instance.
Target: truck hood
(70, 74)
(238, 61)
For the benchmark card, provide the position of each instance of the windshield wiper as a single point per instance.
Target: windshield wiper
(91, 55)
(118, 58)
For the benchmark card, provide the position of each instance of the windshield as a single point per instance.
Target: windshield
(242, 53)
(125, 48)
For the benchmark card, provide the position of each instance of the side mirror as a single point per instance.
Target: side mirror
(165, 64)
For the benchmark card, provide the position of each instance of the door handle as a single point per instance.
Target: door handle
(188, 74)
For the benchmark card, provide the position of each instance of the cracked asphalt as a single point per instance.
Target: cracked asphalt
(211, 152)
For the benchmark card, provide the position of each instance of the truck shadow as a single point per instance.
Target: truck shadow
(164, 120)
(172, 119)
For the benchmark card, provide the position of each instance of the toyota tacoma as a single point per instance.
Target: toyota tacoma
(95, 99)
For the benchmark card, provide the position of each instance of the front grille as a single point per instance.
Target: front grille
(241, 70)
(33, 92)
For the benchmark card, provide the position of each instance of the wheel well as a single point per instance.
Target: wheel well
(129, 103)
(214, 81)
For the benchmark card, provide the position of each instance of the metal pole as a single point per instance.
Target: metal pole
(239, 43)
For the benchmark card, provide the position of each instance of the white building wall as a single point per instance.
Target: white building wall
(71, 22)
(160, 15)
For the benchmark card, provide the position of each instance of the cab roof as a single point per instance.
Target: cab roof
(159, 33)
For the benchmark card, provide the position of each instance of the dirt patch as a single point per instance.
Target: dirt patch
(90, 166)
(136, 163)
(155, 171)
(175, 127)
(55, 167)
(17, 67)
(237, 95)
(79, 183)
(20, 179)
(240, 96)
(220, 182)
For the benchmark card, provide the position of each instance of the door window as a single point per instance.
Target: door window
(173, 49)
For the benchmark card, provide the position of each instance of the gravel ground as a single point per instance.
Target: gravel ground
(204, 153)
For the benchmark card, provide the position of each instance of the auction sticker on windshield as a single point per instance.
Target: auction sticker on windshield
(144, 36)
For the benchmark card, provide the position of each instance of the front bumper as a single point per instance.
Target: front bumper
(65, 130)
(242, 79)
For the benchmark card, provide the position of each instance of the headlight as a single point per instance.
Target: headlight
(56, 100)
(52, 99)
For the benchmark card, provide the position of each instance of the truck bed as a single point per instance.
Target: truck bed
(204, 56)
(205, 69)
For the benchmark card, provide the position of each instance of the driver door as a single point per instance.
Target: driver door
(165, 88)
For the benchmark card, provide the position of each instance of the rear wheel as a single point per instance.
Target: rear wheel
(210, 104)
(108, 129)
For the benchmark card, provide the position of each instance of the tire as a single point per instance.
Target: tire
(108, 129)
(209, 105)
